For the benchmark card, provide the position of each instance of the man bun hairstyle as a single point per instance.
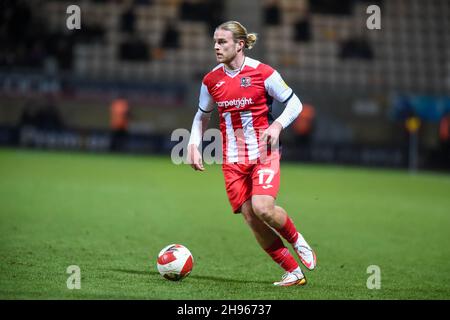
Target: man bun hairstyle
(251, 40)
(240, 33)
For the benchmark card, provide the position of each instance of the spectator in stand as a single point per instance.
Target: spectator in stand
(171, 37)
(127, 19)
(134, 49)
(28, 116)
(193, 10)
(120, 113)
(302, 29)
(303, 128)
(272, 14)
(444, 128)
(356, 47)
(48, 117)
(444, 137)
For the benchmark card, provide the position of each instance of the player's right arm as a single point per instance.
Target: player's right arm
(200, 123)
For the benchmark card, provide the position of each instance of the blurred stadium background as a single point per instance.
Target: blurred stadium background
(58, 86)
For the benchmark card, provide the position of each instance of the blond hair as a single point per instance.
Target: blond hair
(239, 33)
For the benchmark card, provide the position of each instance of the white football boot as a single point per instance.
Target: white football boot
(304, 252)
(294, 278)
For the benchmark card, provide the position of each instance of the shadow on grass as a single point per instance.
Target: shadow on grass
(194, 276)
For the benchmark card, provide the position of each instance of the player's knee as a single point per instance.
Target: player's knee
(263, 210)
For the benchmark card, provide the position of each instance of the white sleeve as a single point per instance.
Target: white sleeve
(201, 119)
(200, 122)
(280, 91)
(291, 112)
(206, 102)
(277, 88)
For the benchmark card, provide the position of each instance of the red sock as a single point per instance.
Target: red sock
(281, 255)
(288, 231)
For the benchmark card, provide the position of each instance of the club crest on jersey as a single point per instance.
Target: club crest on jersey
(246, 82)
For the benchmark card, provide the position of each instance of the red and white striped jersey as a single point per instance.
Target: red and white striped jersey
(244, 104)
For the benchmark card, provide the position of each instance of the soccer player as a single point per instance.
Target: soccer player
(242, 89)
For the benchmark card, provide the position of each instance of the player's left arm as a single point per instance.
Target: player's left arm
(280, 91)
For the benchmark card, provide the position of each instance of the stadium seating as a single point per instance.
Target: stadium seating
(409, 52)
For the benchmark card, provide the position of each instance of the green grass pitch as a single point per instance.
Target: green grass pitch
(110, 215)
